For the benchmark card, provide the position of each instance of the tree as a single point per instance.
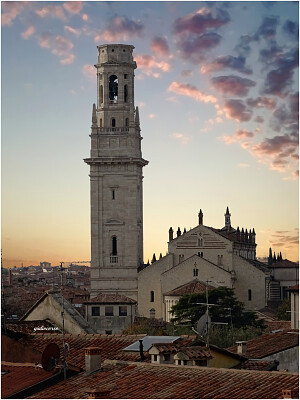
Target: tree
(284, 310)
(226, 308)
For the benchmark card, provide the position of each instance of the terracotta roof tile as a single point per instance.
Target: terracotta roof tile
(111, 298)
(142, 381)
(270, 343)
(20, 376)
(195, 286)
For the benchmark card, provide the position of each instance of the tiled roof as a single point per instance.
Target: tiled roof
(195, 286)
(258, 365)
(111, 298)
(294, 288)
(196, 352)
(111, 346)
(166, 347)
(20, 376)
(31, 326)
(277, 325)
(283, 264)
(270, 343)
(144, 381)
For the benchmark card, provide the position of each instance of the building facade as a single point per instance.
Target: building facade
(116, 180)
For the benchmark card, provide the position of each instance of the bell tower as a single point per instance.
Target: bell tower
(116, 179)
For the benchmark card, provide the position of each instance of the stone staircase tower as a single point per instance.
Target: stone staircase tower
(116, 178)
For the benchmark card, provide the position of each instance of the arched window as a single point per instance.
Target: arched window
(127, 122)
(113, 122)
(196, 271)
(113, 88)
(101, 94)
(152, 296)
(100, 122)
(114, 246)
(125, 93)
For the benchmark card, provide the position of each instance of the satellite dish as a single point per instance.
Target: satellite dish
(50, 357)
(203, 324)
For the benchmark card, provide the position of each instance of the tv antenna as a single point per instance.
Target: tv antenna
(63, 324)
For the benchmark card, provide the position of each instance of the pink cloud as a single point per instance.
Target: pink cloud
(51, 11)
(59, 46)
(74, 31)
(120, 28)
(89, 71)
(238, 136)
(227, 62)
(183, 139)
(236, 109)
(159, 45)
(232, 85)
(73, 7)
(29, 32)
(191, 91)
(260, 102)
(85, 17)
(45, 40)
(259, 119)
(149, 65)
(242, 133)
(10, 11)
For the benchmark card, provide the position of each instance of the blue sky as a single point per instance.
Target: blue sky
(217, 89)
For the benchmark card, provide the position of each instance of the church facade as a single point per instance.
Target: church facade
(224, 256)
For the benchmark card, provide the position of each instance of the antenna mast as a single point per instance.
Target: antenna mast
(63, 325)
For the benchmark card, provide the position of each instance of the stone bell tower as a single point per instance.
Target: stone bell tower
(116, 177)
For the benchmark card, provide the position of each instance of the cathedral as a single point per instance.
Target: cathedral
(122, 286)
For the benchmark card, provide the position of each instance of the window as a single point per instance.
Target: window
(101, 94)
(155, 357)
(114, 246)
(95, 311)
(249, 294)
(181, 258)
(167, 357)
(127, 122)
(125, 76)
(113, 122)
(113, 194)
(125, 93)
(195, 271)
(109, 311)
(108, 332)
(123, 311)
(152, 296)
(179, 362)
(113, 88)
(100, 122)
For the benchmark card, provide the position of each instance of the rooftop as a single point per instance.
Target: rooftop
(195, 286)
(142, 381)
(111, 298)
(270, 343)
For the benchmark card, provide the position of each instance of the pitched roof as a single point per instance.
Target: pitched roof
(142, 381)
(196, 352)
(258, 365)
(270, 343)
(195, 286)
(111, 298)
(284, 264)
(17, 376)
(294, 288)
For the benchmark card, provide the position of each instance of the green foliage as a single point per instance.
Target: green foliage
(282, 313)
(226, 309)
(226, 336)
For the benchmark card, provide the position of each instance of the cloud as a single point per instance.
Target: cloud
(51, 11)
(85, 17)
(150, 66)
(284, 240)
(29, 32)
(237, 110)
(261, 102)
(238, 136)
(73, 7)
(152, 116)
(232, 85)
(159, 46)
(196, 33)
(191, 91)
(200, 21)
(243, 47)
(243, 165)
(259, 119)
(120, 28)
(181, 137)
(59, 46)
(76, 32)
(89, 71)
(267, 29)
(10, 11)
(292, 29)
(227, 62)
(286, 117)
(279, 79)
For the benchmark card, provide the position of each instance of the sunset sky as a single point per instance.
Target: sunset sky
(217, 88)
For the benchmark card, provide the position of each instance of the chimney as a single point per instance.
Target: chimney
(241, 347)
(92, 360)
(290, 393)
(98, 393)
(141, 350)
(170, 234)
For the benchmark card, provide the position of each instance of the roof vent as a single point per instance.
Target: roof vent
(98, 393)
(290, 393)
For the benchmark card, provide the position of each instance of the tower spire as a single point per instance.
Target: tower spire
(227, 219)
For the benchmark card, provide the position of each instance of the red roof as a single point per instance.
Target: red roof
(111, 298)
(294, 288)
(194, 286)
(148, 381)
(270, 343)
(20, 376)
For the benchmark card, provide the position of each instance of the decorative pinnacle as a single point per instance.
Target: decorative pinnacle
(94, 116)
